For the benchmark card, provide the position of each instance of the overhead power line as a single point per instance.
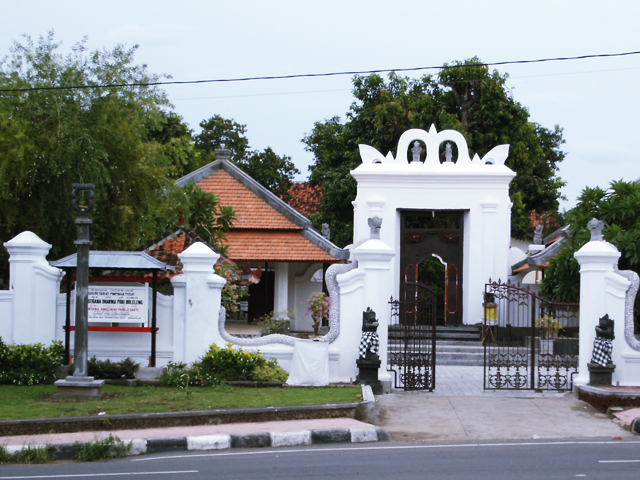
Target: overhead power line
(309, 75)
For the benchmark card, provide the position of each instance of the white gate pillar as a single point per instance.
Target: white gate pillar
(196, 304)
(597, 260)
(374, 258)
(34, 285)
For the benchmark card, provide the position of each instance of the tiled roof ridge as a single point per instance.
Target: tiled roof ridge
(252, 185)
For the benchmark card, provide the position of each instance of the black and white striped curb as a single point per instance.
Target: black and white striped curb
(67, 451)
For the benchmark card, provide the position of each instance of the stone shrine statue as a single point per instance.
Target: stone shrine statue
(369, 342)
(375, 224)
(368, 361)
(537, 235)
(602, 345)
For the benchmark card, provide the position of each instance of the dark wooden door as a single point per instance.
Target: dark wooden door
(431, 253)
(261, 296)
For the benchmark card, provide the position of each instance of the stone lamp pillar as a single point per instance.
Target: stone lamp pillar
(80, 385)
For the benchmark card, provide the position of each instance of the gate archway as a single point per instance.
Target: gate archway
(426, 235)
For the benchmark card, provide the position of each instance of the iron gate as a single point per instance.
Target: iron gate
(412, 338)
(529, 342)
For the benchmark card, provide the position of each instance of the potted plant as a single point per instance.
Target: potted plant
(318, 306)
(549, 328)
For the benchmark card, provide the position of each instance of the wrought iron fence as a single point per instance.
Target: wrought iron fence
(412, 339)
(529, 342)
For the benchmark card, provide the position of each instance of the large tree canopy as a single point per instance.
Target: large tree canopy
(617, 207)
(273, 171)
(466, 97)
(119, 138)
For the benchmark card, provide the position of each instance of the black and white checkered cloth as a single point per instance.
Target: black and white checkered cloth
(369, 341)
(602, 348)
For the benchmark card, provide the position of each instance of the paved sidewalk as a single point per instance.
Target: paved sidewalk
(459, 409)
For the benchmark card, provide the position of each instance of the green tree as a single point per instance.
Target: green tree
(464, 96)
(617, 207)
(272, 171)
(119, 138)
(177, 144)
(218, 131)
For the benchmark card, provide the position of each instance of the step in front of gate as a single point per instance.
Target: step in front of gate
(466, 333)
(463, 353)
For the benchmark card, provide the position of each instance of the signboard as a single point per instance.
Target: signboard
(118, 304)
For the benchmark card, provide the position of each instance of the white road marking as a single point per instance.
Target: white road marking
(397, 447)
(102, 474)
(619, 461)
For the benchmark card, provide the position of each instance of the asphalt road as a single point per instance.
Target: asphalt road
(590, 459)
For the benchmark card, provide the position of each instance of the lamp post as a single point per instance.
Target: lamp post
(80, 385)
(83, 223)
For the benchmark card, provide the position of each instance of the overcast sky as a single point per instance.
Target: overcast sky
(595, 101)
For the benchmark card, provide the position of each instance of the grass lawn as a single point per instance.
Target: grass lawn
(17, 402)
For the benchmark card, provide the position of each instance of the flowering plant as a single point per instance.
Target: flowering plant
(318, 306)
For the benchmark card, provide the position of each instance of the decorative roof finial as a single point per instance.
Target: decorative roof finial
(596, 226)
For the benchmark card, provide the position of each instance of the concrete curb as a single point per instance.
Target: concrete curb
(67, 451)
(172, 419)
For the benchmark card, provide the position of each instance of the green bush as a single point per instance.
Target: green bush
(104, 369)
(110, 447)
(182, 376)
(29, 364)
(272, 372)
(221, 365)
(230, 363)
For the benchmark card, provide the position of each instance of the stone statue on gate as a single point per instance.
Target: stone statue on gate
(602, 345)
(375, 224)
(601, 367)
(369, 342)
(368, 361)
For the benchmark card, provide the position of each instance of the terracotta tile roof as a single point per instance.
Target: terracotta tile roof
(253, 212)
(305, 198)
(167, 249)
(276, 246)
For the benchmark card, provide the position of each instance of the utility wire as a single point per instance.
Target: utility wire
(309, 75)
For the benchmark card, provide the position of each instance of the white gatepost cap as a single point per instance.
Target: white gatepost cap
(198, 258)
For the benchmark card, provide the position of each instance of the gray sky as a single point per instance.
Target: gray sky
(595, 100)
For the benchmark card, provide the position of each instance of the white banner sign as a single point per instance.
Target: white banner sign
(121, 304)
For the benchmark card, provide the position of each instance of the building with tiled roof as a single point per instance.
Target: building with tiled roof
(305, 198)
(270, 234)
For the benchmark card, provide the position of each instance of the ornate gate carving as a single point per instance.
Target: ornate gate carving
(412, 338)
(529, 343)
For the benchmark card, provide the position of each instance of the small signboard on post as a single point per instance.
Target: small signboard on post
(119, 304)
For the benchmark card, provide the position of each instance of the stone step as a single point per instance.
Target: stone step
(423, 334)
(460, 359)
